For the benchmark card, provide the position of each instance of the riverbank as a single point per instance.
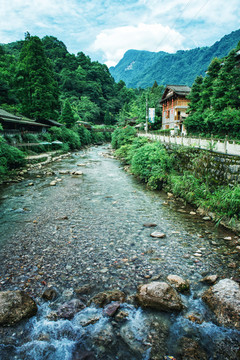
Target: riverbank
(32, 162)
(159, 168)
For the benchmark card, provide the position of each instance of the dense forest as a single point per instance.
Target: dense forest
(38, 76)
(141, 68)
(215, 99)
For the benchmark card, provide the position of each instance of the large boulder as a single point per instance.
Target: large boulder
(15, 306)
(223, 299)
(159, 295)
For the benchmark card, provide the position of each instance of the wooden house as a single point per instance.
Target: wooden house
(174, 104)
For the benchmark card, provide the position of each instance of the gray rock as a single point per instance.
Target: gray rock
(15, 306)
(105, 297)
(159, 295)
(223, 299)
(70, 308)
(210, 279)
(179, 283)
(135, 343)
(111, 308)
(49, 294)
(149, 225)
(157, 234)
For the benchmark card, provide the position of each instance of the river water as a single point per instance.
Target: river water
(88, 231)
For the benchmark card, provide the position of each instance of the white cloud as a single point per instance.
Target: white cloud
(152, 37)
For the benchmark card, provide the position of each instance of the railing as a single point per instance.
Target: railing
(225, 146)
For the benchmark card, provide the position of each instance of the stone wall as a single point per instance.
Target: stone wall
(215, 167)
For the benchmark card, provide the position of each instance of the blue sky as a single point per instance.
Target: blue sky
(105, 30)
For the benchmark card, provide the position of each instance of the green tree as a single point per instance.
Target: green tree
(37, 88)
(67, 116)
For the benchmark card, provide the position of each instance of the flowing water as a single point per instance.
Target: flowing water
(88, 231)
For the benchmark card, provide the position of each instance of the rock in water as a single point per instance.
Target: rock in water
(111, 308)
(15, 306)
(210, 279)
(105, 297)
(49, 294)
(179, 283)
(159, 295)
(224, 300)
(157, 234)
(149, 225)
(70, 308)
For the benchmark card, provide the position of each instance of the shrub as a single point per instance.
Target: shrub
(123, 136)
(10, 157)
(31, 138)
(97, 137)
(152, 163)
(84, 135)
(68, 136)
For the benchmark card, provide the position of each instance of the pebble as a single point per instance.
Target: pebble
(157, 234)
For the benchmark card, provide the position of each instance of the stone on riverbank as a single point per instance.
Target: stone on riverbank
(76, 172)
(105, 297)
(15, 306)
(159, 295)
(179, 283)
(210, 279)
(149, 225)
(224, 300)
(157, 234)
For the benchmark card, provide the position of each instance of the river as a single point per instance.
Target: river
(87, 230)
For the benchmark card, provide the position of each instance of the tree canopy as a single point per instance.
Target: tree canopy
(215, 100)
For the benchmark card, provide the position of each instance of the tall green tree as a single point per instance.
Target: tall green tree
(67, 116)
(37, 88)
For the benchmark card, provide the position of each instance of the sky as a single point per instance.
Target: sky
(106, 29)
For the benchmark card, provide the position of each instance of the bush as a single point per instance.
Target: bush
(84, 135)
(67, 136)
(123, 136)
(30, 138)
(97, 137)
(10, 157)
(152, 164)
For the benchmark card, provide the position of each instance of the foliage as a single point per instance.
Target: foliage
(84, 135)
(35, 73)
(67, 116)
(215, 100)
(67, 136)
(10, 157)
(136, 107)
(122, 136)
(37, 88)
(152, 163)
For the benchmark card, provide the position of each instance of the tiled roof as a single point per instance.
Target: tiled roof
(177, 89)
(6, 116)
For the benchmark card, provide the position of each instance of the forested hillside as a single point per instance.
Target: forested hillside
(142, 68)
(215, 99)
(38, 76)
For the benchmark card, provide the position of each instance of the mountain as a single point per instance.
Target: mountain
(139, 69)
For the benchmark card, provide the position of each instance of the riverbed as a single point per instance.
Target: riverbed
(88, 230)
